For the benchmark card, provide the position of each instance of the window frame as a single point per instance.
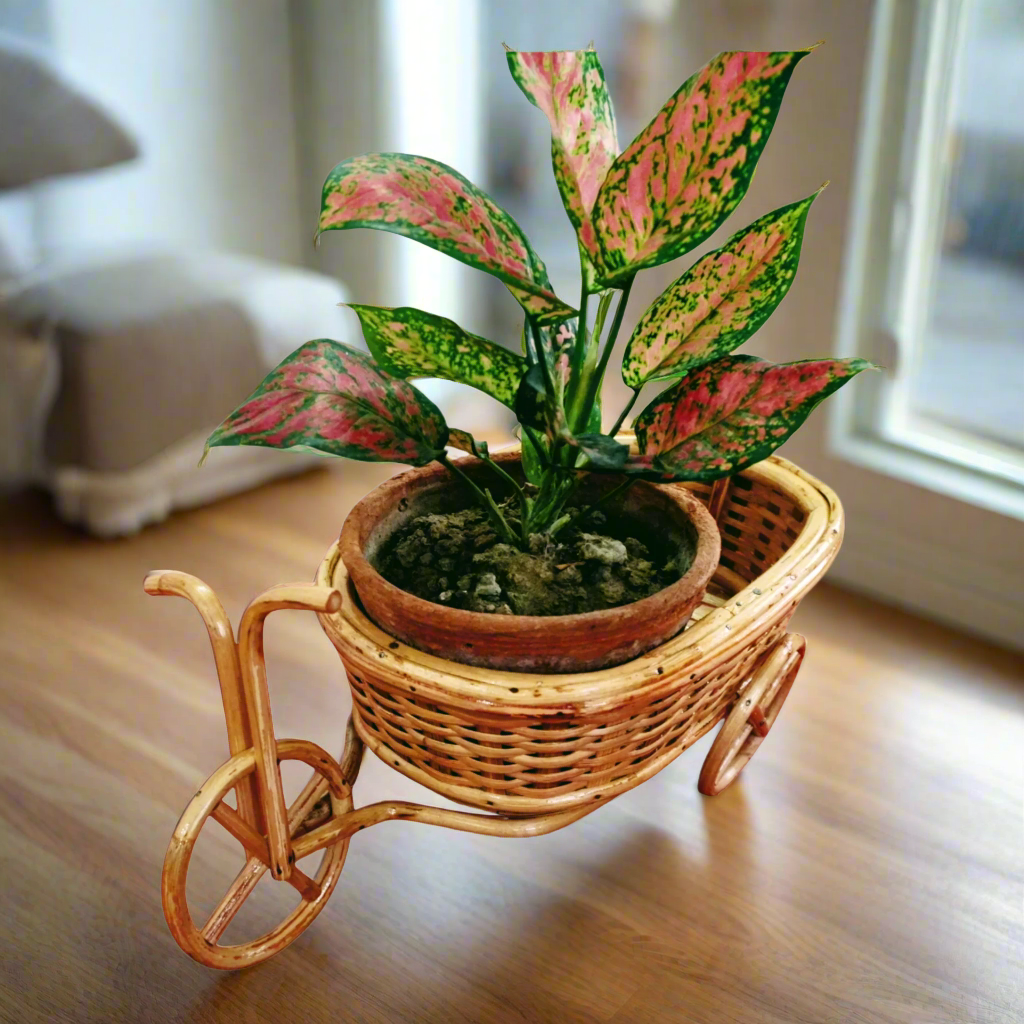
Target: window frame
(889, 262)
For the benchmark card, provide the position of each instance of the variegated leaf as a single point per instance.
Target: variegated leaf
(331, 398)
(690, 167)
(604, 453)
(465, 442)
(557, 344)
(411, 343)
(431, 203)
(544, 306)
(720, 301)
(536, 408)
(534, 462)
(731, 413)
(568, 86)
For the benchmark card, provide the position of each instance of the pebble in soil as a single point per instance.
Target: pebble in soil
(455, 559)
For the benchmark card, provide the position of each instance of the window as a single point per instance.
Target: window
(935, 269)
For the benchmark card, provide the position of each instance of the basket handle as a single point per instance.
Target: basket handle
(172, 583)
(242, 672)
(302, 596)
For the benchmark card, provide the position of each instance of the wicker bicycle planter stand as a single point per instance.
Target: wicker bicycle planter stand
(530, 753)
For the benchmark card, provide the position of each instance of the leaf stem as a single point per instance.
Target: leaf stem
(486, 499)
(602, 312)
(594, 385)
(586, 511)
(579, 349)
(625, 412)
(510, 480)
(542, 358)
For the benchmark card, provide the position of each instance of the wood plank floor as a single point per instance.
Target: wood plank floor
(867, 867)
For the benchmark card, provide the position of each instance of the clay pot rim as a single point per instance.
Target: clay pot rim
(705, 561)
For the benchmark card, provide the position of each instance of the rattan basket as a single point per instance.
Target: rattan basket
(534, 753)
(525, 744)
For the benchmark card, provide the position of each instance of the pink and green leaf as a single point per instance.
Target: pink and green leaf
(431, 203)
(731, 413)
(689, 168)
(543, 307)
(568, 87)
(411, 343)
(720, 301)
(332, 399)
(465, 442)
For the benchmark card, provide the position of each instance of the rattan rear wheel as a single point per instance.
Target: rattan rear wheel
(324, 795)
(752, 716)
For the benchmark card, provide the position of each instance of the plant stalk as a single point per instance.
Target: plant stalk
(486, 499)
(579, 349)
(510, 480)
(565, 521)
(624, 413)
(594, 384)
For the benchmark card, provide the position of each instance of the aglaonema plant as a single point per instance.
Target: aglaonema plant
(667, 192)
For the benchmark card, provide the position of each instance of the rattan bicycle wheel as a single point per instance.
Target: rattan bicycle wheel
(752, 716)
(202, 943)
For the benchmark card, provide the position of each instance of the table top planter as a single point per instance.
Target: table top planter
(534, 721)
(529, 752)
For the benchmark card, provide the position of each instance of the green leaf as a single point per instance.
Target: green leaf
(534, 463)
(731, 413)
(331, 398)
(689, 168)
(534, 407)
(720, 301)
(556, 344)
(568, 86)
(605, 453)
(411, 343)
(465, 442)
(431, 203)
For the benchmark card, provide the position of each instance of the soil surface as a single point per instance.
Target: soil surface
(455, 559)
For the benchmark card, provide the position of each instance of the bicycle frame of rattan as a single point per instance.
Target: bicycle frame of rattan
(532, 752)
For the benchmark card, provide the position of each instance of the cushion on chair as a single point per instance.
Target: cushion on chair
(131, 390)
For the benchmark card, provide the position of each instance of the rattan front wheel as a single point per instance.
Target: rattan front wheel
(751, 717)
(325, 794)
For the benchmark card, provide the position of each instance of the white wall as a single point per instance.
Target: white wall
(206, 87)
(339, 113)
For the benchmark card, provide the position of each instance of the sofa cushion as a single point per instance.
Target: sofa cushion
(47, 125)
(159, 348)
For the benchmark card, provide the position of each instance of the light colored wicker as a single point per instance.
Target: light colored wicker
(534, 752)
(532, 744)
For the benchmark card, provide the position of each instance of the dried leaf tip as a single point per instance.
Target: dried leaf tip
(508, 49)
(814, 46)
(202, 458)
(824, 185)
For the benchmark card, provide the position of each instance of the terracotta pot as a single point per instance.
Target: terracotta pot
(528, 643)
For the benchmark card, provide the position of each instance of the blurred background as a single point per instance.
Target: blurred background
(159, 187)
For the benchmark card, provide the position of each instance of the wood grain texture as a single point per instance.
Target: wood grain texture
(867, 868)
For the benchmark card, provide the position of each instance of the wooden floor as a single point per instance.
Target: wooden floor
(867, 867)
